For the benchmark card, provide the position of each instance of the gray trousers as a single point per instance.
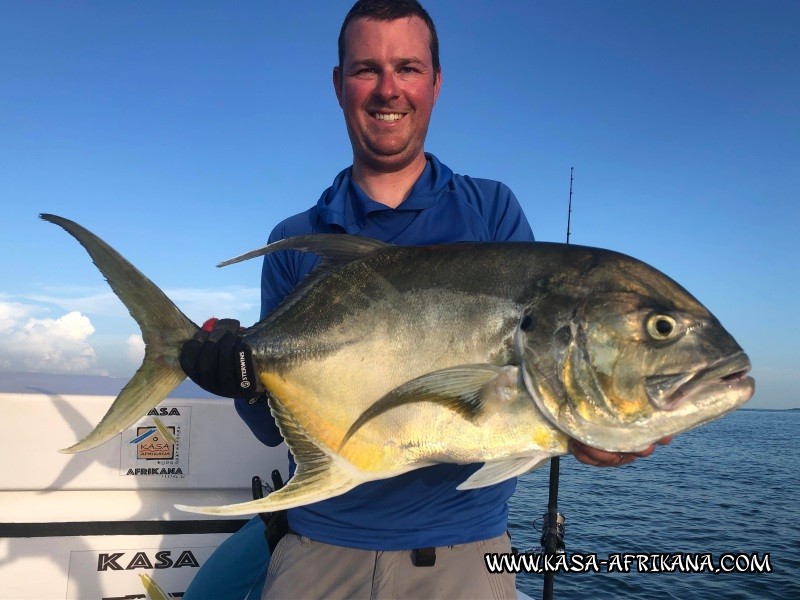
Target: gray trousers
(304, 568)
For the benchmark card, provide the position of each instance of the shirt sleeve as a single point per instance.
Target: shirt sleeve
(257, 416)
(511, 223)
(280, 274)
(504, 216)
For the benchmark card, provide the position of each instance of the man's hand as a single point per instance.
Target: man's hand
(219, 361)
(601, 458)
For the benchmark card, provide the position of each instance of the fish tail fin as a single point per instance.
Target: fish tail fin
(319, 475)
(164, 330)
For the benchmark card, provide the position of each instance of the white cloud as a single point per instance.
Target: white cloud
(12, 313)
(82, 300)
(45, 345)
(53, 332)
(234, 303)
(135, 349)
(238, 302)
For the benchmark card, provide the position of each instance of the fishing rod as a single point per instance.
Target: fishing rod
(569, 207)
(552, 541)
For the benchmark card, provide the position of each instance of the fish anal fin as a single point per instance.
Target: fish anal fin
(319, 475)
(326, 481)
(311, 460)
(470, 390)
(500, 470)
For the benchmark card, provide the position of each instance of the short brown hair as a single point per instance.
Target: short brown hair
(389, 10)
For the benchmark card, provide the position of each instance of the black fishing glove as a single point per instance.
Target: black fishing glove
(219, 361)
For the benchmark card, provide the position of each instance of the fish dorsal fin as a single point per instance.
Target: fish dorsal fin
(466, 389)
(333, 248)
(500, 470)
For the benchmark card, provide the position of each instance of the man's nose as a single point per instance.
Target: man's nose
(387, 88)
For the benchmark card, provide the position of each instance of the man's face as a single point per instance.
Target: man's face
(387, 88)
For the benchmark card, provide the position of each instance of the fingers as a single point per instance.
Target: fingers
(190, 353)
(646, 452)
(220, 362)
(601, 458)
(225, 325)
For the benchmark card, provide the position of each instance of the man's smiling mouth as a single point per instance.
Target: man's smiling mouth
(391, 117)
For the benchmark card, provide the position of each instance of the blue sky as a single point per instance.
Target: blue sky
(181, 132)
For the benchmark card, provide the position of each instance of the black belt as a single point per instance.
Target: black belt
(423, 557)
(277, 526)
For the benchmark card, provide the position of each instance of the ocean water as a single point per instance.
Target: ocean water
(731, 486)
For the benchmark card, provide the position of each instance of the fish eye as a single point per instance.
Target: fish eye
(661, 327)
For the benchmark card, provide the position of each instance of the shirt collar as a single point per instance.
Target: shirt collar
(347, 206)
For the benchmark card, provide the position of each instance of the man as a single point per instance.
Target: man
(375, 540)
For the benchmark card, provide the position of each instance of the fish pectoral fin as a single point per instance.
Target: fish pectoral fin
(466, 389)
(500, 470)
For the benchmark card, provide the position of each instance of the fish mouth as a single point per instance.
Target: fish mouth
(683, 402)
(669, 392)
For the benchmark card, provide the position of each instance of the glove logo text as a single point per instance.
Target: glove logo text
(243, 366)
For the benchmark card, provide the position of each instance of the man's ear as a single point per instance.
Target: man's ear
(337, 84)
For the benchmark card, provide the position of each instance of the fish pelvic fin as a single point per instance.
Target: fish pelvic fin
(500, 470)
(164, 431)
(164, 330)
(320, 475)
(466, 389)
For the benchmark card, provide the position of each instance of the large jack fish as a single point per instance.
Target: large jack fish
(390, 358)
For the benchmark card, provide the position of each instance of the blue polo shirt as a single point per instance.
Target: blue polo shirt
(421, 508)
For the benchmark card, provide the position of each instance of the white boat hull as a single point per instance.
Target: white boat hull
(86, 525)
